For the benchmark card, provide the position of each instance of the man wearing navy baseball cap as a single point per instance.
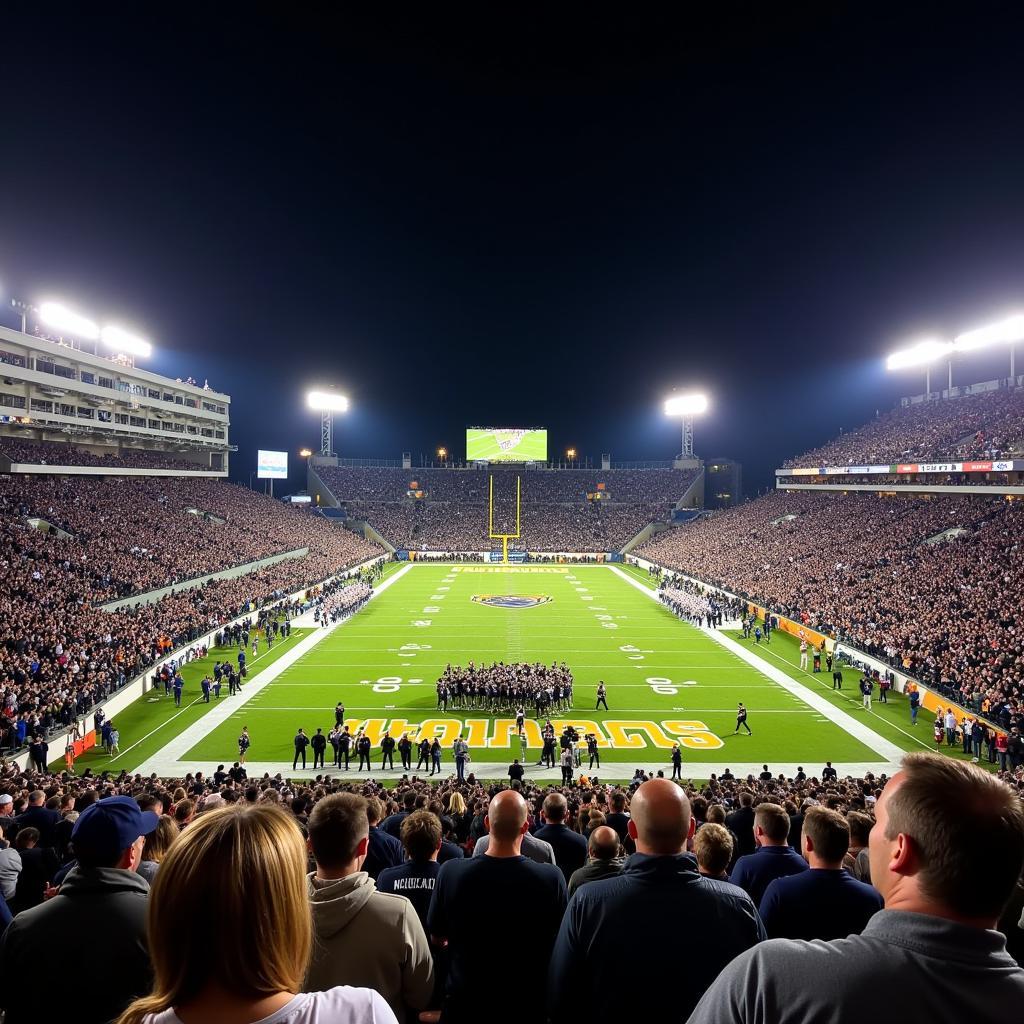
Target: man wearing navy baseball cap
(102, 889)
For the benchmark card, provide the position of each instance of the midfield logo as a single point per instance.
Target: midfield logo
(511, 600)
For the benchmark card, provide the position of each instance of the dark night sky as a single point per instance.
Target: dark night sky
(528, 221)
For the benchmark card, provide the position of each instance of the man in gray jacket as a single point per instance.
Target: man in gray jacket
(102, 891)
(362, 937)
(946, 851)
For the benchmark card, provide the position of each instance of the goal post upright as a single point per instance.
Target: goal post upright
(503, 537)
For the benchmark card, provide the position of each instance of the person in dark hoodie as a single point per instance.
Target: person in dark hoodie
(362, 937)
(104, 890)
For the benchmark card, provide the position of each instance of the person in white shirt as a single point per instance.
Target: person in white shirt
(262, 930)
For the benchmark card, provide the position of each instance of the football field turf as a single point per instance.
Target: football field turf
(666, 680)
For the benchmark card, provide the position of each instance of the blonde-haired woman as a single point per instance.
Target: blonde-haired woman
(230, 930)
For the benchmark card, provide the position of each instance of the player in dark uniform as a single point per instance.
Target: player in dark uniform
(741, 719)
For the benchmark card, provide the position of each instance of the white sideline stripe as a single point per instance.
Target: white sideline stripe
(858, 730)
(499, 769)
(198, 730)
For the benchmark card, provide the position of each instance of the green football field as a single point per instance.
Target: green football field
(504, 446)
(667, 681)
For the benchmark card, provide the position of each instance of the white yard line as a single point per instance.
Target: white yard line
(858, 730)
(170, 755)
(499, 769)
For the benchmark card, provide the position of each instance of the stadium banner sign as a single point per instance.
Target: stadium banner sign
(977, 466)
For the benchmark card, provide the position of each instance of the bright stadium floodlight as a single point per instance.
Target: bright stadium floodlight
(327, 403)
(124, 342)
(924, 353)
(58, 316)
(686, 406)
(1006, 332)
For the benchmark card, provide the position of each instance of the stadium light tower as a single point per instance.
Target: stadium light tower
(327, 403)
(1006, 332)
(686, 406)
(924, 353)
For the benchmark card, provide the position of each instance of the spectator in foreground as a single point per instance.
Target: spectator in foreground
(415, 879)
(826, 902)
(384, 850)
(361, 936)
(774, 857)
(260, 932)
(946, 852)
(461, 917)
(102, 890)
(608, 921)
(604, 858)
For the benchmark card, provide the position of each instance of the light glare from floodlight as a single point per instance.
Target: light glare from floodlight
(57, 315)
(123, 341)
(326, 401)
(1006, 332)
(686, 405)
(924, 352)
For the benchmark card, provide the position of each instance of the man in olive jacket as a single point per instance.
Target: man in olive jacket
(102, 891)
(362, 937)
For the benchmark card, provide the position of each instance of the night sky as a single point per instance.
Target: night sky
(530, 221)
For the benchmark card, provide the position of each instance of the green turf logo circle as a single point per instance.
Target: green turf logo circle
(511, 600)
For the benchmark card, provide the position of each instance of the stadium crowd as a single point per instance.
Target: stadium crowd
(868, 569)
(982, 426)
(62, 653)
(454, 526)
(66, 454)
(360, 903)
(546, 486)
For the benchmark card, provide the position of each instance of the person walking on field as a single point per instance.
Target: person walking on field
(741, 719)
(602, 696)
(243, 744)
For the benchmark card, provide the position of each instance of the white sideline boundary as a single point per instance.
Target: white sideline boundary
(889, 752)
(167, 760)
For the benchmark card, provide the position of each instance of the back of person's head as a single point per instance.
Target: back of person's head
(826, 834)
(965, 830)
(660, 819)
(555, 807)
(26, 838)
(456, 804)
(603, 843)
(374, 810)
(746, 798)
(618, 801)
(36, 798)
(860, 827)
(773, 821)
(421, 835)
(506, 816)
(336, 827)
(159, 841)
(716, 814)
(409, 799)
(184, 811)
(712, 846)
(261, 931)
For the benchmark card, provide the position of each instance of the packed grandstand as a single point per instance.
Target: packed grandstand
(104, 578)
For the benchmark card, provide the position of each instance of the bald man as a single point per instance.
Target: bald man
(604, 858)
(688, 926)
(501, 908)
